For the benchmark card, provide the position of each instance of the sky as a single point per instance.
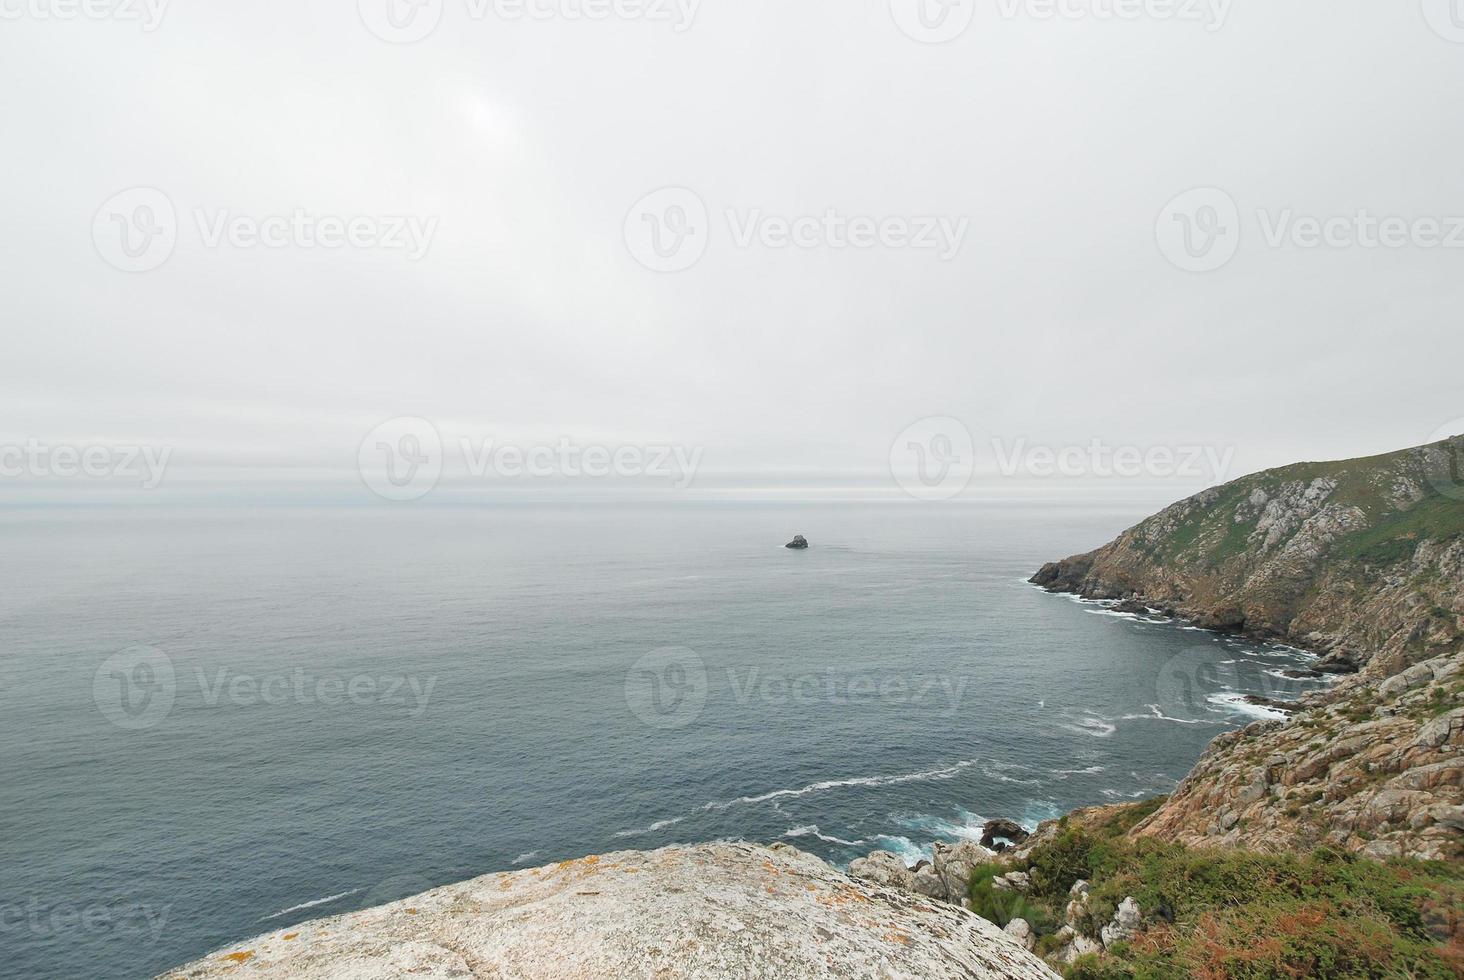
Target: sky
(781, 236)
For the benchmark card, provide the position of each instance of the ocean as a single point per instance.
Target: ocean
(223, 722)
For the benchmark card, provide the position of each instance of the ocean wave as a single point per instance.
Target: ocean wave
(526, 858)
(948, 772)
(905, 848)
(812, 831)
(1096, 727)
(1156, 714)
(1090, 771)
(971, 827)
(310, 905)
(1237, 704)
(658, 825)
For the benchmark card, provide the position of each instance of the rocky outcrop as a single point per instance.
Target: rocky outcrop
(1361, 560)
(945, 877)
(799, 543)
(995, 832)
(714, 910)
(1375, 767)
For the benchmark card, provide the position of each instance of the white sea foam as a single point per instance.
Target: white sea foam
(310, 905)
(526, 858)
(907, 849)
(658, 825)
(914, 777)
(1096, 727)
(1156, 714)
(1236, 703)
(812, 831)
(1065, 773)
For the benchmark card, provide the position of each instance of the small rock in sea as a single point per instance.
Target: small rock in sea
(798, 543)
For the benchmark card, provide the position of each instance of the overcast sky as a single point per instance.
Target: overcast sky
(523, 148)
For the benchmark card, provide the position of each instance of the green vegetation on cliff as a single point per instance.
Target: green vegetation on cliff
(1231, 913)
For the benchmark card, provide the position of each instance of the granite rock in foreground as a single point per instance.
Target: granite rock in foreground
(713, 910)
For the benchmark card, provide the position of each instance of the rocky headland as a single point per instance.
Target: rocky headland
(1362, 562)
(1267, 860)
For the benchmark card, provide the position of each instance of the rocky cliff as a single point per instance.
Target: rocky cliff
(714, 910)
(1361, 561)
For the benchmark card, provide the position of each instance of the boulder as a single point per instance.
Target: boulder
(1008, 830)
(1126, 922)
(1021, 931)
(885, 868)
(954, 863)
(799, 543)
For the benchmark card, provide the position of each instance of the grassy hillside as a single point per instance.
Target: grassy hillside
(1231, 913)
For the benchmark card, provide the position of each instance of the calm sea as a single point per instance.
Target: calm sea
(222, 723)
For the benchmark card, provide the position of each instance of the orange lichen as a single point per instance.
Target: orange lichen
(290, 935)
(237, 958)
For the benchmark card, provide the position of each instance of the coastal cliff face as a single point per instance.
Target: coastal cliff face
(1360, 560)
(715, 910)
(1363, 562)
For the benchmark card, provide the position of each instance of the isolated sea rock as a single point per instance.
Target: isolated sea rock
(709, 911)
(799, 543)
(1000, 829)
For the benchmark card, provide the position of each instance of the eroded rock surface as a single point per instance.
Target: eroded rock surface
(714, 910)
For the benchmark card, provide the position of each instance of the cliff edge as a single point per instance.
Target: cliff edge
(714, 910)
